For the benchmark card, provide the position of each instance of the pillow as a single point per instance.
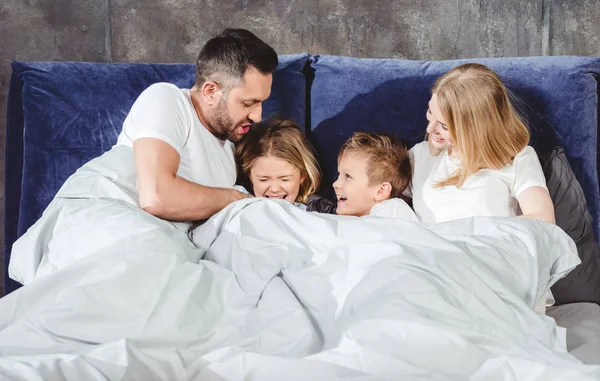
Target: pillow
(320, 204)
(582, 284)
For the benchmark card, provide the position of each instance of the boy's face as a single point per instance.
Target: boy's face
(355, 197)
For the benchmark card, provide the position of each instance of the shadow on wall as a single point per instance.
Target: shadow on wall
(398, 107)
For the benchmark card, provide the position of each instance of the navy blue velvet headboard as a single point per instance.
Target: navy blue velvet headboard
(60, 115)
(63, 114)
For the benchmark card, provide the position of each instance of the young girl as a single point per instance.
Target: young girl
(476, 160)
(275, 160)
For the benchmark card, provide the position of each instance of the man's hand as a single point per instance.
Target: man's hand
(163, 194)
(240, 195)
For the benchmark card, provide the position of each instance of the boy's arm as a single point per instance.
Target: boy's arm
(163, 194)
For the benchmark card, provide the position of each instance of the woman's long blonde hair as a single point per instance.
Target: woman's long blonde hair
(485, 129)
(282, 139)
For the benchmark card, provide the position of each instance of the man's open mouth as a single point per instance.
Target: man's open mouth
(244, 128)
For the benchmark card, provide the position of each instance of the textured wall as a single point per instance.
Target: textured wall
(173, 31)
(574, 27)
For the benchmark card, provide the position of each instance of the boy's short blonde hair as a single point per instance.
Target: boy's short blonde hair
(388, 159)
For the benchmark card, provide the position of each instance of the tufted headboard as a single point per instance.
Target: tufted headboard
(62, 114)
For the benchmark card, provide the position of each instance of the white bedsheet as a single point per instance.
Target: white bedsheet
(284, 294)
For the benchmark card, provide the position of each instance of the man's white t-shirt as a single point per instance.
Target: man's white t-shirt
(489, 192)
(165, 112)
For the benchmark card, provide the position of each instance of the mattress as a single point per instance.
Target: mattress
(582, 321)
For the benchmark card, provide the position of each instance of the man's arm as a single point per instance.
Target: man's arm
(163, 194)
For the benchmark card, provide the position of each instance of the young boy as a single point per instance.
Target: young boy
(373, 171)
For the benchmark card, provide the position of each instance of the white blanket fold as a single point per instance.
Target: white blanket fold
(267, 291)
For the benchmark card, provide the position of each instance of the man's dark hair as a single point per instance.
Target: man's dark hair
(226, 57)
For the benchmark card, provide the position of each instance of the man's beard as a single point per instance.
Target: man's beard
(222, 123)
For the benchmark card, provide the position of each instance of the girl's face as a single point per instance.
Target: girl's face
(436, 126)
(273, 177)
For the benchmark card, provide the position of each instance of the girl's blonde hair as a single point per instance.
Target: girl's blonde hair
(485, 129)
(282, 139)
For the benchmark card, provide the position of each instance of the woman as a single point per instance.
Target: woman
(476, 161)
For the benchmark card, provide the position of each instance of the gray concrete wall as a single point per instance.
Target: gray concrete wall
(173, 31)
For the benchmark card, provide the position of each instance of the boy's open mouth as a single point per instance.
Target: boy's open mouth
(341, 199)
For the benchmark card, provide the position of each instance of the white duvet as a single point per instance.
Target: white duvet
(270, 292)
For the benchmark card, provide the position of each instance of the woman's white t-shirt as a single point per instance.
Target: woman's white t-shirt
(489, 192)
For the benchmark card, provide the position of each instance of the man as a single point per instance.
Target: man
(173, 158)
(182, 140)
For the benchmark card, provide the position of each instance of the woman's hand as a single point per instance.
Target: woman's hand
(535, 202)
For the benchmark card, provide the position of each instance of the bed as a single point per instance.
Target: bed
(236, 303)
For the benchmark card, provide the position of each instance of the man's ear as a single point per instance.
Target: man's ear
(211, 93)
(384, 191)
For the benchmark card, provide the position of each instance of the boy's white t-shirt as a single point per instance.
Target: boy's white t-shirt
(394, 208)
(166, 112)
(489, 192)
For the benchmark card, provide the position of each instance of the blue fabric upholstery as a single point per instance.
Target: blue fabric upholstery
(558, 97)
(60, 115)
(63, 114)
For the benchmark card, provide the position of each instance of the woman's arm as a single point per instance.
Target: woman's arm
(535, 202)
